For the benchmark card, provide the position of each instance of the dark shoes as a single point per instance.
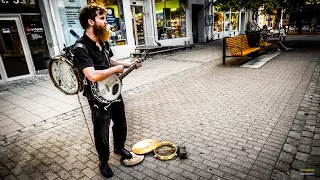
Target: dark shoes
(105, 170)
(123, 152)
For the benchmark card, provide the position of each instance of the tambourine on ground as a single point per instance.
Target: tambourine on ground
(165, 151)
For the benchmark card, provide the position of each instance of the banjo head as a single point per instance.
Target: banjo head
(109, 88)
(64, 76)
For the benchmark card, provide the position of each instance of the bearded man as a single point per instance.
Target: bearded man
(95, 64)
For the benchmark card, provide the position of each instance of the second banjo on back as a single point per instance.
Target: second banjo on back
(109, 89)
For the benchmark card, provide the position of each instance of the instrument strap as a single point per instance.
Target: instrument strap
(106, 53)
(85, 119)
(83, 46)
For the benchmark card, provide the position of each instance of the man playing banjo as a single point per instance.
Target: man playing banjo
(95, 63)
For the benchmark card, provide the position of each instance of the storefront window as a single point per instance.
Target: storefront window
(218, 21)
(116, 22)
(234, 23)
(68, 12)
(171, 19)
(272, 21)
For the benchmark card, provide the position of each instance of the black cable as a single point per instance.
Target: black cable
(85, 119)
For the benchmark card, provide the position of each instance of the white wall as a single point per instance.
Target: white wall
(189, 20)
(124, 51)
(128, 21)
(201, 26)
(52, 25)
(149, 21)
(176, 41)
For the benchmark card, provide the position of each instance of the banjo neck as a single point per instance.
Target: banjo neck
(133, 66)
(124, 74)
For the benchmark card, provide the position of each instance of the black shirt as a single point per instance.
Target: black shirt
(92, 57)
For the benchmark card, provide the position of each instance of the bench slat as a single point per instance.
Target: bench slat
(240, 43)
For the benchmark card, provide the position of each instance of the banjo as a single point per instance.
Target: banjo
(109, 89)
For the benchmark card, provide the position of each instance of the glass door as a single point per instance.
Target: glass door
(138, 25)
(15, 57)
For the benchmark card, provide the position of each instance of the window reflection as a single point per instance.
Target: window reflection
(234, 24)
(218, 21)
(171, 19)
(115, 19)
(37, 41)
(11, 50)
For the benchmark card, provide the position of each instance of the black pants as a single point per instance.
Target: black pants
(101, 122)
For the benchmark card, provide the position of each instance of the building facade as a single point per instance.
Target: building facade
(228, 23)
(32, 31)
(24, 48)
(132, 23)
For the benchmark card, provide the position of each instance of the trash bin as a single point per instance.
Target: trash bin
(253, 38)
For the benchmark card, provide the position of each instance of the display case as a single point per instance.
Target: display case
(140, 30)
(171, 19)
(218, 21)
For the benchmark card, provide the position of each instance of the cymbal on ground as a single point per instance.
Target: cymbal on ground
(136, 159)
(145, 146)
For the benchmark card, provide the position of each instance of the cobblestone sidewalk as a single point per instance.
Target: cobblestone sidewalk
(301, 151)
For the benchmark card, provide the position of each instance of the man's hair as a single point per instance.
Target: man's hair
(264, 27)
(90, 12)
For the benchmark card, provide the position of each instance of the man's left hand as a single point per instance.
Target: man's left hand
(137, 63)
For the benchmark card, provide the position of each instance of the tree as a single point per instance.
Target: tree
(269, 5)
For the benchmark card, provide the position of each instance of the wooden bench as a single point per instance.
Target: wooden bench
(238, 47)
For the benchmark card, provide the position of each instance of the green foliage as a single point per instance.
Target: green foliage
(269, 5)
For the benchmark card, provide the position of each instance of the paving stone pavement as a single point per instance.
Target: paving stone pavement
(302, 147)
(25, 103)
(234, 122)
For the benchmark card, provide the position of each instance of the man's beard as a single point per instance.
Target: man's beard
(101, 33)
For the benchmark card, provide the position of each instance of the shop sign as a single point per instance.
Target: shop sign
(19, 6)
(110, 17)
(34, 29)
(17, 2)
(72, 14)
(5, 30)
(209, 20)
